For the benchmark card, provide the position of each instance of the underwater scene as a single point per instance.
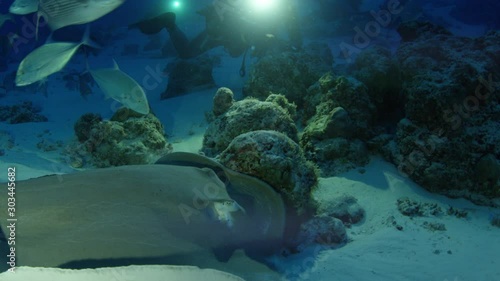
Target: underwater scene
(257, 140)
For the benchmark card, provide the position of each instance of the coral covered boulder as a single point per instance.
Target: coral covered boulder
(377, 68)
(289, 73)
(223, 100)
(333, 137)
(246, 116)
(448, 141)
(276, 159)
(124, 140)
(331, 92)
(324, 230)
(344, 208)
(21, 113)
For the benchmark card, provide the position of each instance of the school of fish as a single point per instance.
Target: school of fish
(52, 57)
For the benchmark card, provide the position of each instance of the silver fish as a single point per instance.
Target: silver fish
(4, 18)
(119, 86)
(46, 60)
(60, 13)
(24, 7)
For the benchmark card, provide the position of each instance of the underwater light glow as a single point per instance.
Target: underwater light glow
(175, 5)
(263, 5)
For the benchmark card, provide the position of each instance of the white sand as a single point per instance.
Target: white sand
(129, 273)
(468, 250)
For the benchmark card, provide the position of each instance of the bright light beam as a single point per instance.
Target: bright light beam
(263, 5)
(176, 4)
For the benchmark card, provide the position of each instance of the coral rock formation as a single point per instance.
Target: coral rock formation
(124, 140)
(276, 159)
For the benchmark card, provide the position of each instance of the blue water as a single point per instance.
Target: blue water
(346, 27)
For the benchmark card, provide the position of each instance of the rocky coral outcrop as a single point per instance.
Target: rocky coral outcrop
(7, 142)
(345, 208)
(276, 159)
(377, 68)
(323, 230)
(331, 92)
(333, 137)
(245, 116)
(432, 110)
(223, 100)
(21, 113)
(450, 132)
(128, 138)
(289, 73)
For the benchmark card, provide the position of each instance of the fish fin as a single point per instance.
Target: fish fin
(38, 16)
(49, 38)
(86, 39)
(115, 65)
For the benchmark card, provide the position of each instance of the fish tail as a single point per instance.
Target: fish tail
(87, 41)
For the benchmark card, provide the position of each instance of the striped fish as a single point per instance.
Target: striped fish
(61, 13)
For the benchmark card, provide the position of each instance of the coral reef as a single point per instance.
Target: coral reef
(223, 100)
(276, 159)
(448, 141)
(21, 113)
(289, 73)
(343, 118)
(412, 208)
(345, 208)
(47, 142)
(377, 68)
(124, 140)
(331, 92)
(245, 116)
(6, 142)
(337, 155)
(434, 226)
(84, 125)
(323, 230)
(282, 101)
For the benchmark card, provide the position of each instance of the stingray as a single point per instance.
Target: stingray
(165, 213)
(265, 220)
